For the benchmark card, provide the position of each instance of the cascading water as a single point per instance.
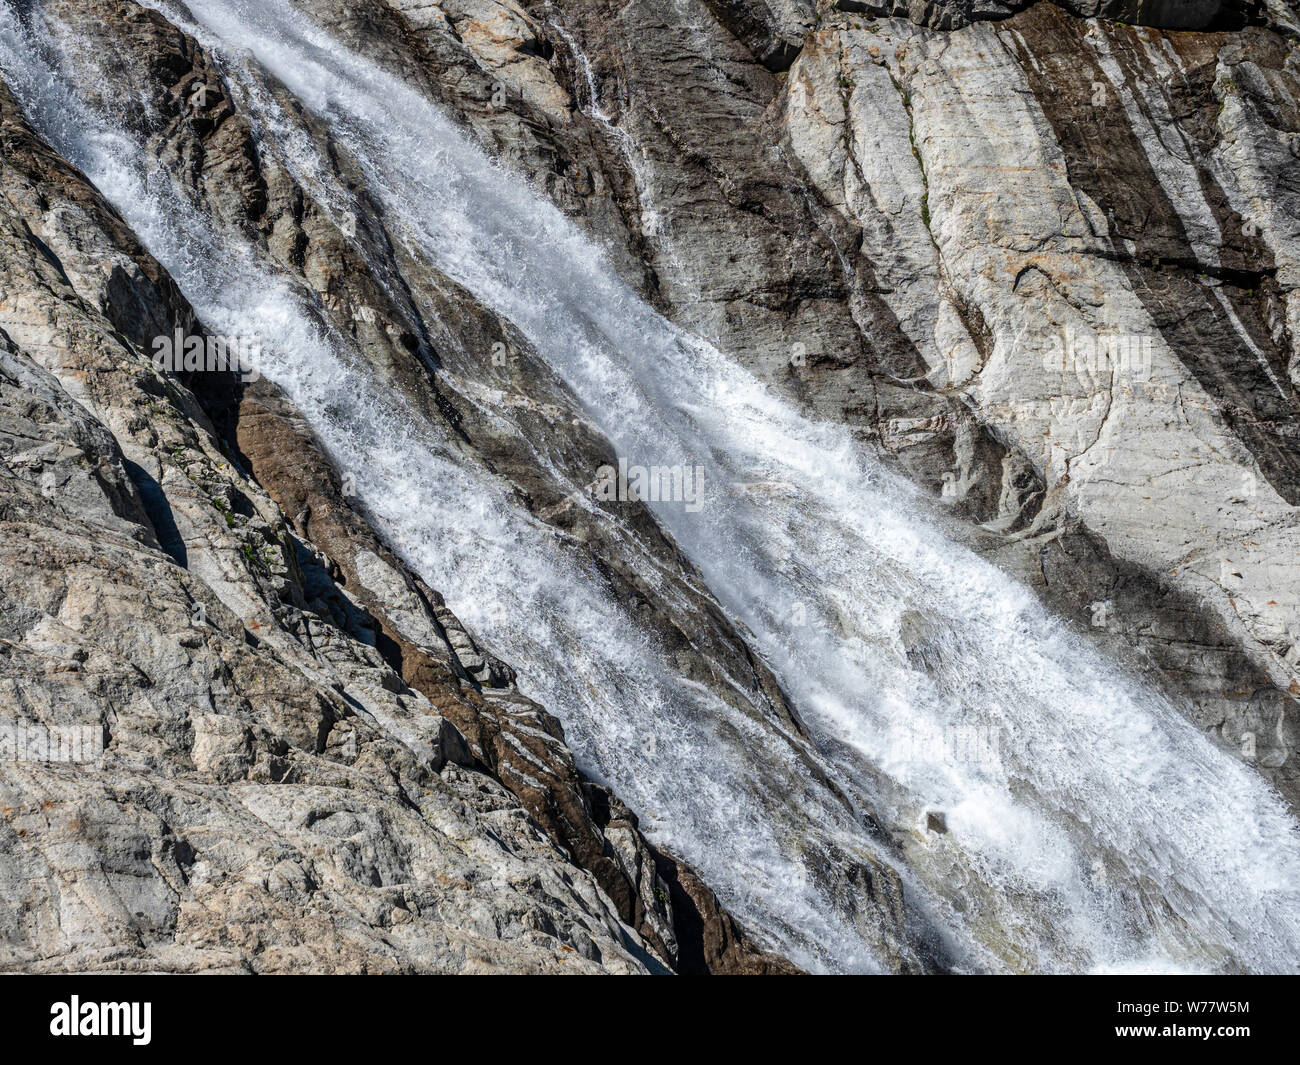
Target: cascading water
(1106, 833)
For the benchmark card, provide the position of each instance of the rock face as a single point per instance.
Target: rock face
(1101, 273)
(270, 796)
(251, 769)
(1164, 14)
(1044, 263)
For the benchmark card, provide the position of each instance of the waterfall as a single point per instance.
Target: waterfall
(1087, 825)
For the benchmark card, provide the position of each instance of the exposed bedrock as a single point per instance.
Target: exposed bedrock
(1042, 259)
(1045, 264)
(307, 763)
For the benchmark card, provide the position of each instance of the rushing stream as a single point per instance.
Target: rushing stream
(1089, 825)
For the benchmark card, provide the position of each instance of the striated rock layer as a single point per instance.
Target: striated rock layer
(307, 763)
(1044, 264)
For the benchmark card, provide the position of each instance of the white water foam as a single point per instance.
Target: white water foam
(1108, 833)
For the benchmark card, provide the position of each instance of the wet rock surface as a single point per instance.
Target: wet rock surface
(1042, 259)
(286, 761)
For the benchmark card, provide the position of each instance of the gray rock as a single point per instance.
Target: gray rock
(1046, 267)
